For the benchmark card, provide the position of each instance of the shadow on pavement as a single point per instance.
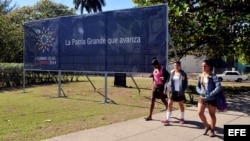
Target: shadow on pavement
(239, 102)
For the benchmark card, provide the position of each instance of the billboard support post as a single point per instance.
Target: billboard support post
(91, 82)
(105, 88)
(23, 80)
(167, 41)
(59, 82)
(136, 84)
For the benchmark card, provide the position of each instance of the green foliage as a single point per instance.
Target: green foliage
(11, 75)
(213, 29)
(11, 40)
(8, 66)
(5, 6)
(44, 9)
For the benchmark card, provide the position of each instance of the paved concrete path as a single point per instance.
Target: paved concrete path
(140, 130)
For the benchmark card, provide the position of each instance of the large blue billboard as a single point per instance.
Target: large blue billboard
(113, 41)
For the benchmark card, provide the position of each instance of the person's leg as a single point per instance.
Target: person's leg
(182, 110)
(163, 96)
(182, 107)
(170, 105)
(201, 113)
(169, 111)
(152, 105)
(212, 111)
(185, 99)
(164, 101)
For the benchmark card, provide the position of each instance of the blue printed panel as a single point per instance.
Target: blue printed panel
(41, 45)
(134, 37)
(83, 42)
(114, 41)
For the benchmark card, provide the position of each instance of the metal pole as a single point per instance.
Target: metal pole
(105, 88)
(136, 84)
(167, 37)
(23, 80)
(91, 82)
(59, 83)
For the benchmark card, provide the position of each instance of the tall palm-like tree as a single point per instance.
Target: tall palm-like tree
(5, 6)
(89, 5)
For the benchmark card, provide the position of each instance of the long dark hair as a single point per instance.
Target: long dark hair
(210, 63)
(178, 62)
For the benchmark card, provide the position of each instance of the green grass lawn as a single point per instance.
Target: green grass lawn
(38, 113)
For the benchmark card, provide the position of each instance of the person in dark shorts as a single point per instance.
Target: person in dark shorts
(176, 91)
(208, 85)
(160, 77)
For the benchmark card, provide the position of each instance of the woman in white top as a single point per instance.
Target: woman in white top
(176, 91)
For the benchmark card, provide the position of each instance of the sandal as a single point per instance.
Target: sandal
(207, 129)
(148, 118)
(212, 134)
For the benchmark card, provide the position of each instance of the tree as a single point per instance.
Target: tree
(5, 6)
(44, 9)
(48, 9)
(208, 27)
(89, 5)
(11, 41)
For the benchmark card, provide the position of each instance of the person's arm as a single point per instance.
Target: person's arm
(168, 85)
(218, 86)
(198, 87)
(166, 76)
(185, 81)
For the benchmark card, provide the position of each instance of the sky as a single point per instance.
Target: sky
(110, 4)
